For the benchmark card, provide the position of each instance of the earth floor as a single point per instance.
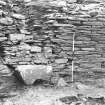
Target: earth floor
(12, 92)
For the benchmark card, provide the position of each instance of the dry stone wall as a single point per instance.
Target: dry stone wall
(34, 34)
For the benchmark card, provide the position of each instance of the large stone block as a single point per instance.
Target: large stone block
(14, 37)
(24, 46)
(36, 49)
(30, 73)
(6, 21)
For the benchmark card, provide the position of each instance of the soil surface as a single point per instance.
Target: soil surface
(13, 92)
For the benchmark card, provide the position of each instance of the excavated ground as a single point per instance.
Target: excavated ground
(13, 92)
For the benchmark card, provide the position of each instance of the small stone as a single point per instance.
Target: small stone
(67, 48)
(58, 102)
(93, 13)
(23, 31)
(83, 87)
(27, 59)
(1, 12)
(49, 69)
(100, 82)
(27, 1)
(8, 102)
(2, 35)
(3, 38)
(24, 46)
(61, 60)
(16, 9)
(2, 2)
(4, 70)
(50, 21)
(35, 49)
(48, 49)
(72, 1)
(23, 63)
(18, 16)
(79, 1)
(48, 52)
(6, 21)
(61, 83)
(59, 3)
(40, 58)
(88, 49)
(28, 37)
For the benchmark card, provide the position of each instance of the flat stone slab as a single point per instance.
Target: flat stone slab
(30, 73)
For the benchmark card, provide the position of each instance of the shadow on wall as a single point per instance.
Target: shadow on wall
(16, 74)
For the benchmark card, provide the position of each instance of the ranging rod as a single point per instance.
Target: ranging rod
(73, 56)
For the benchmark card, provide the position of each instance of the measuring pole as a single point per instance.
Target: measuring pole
(73, 56)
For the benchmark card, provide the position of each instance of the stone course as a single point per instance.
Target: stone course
(35, 35)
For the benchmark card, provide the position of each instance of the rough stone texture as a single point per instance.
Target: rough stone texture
(30, 73)
(61, 61)
(2, 3)
(39, 34)
(35, 49)
(6, 21)
(14, 37)
(18, 16)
